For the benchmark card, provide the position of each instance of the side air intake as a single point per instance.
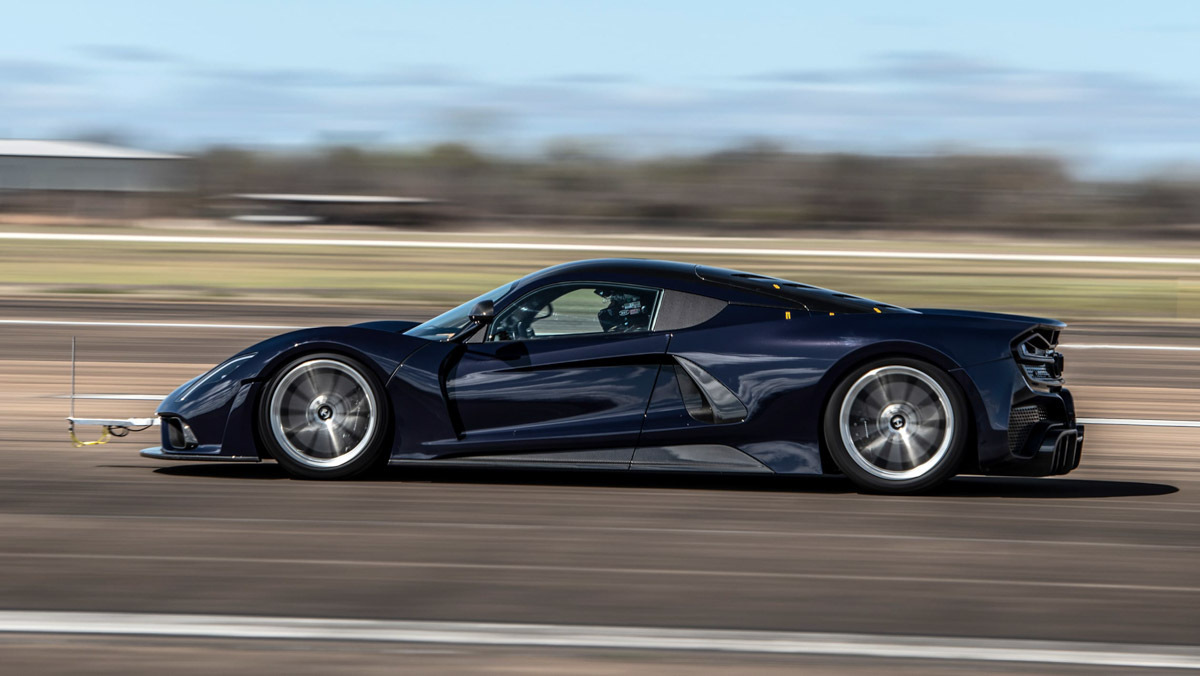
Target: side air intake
(705, 398)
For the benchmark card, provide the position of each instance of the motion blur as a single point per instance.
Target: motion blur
(180, 182)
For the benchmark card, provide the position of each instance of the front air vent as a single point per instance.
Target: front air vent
(179, 434)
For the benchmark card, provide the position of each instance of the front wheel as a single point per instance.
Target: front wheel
(322, 417)
(897, 426)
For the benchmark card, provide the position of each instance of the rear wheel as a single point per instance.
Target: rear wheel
(322, 417)
(897, 426)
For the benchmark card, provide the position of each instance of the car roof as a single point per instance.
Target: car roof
(726, 284)
(610, 268)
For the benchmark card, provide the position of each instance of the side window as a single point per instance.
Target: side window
(573, 309)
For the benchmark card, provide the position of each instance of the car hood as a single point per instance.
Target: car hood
(389, 325)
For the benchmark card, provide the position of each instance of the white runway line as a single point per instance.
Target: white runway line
(595, 248)
(1140, 422)
(1165, 348)
(119, 397)
(147, 325)
(584, 636)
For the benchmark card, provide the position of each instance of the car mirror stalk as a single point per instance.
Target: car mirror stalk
(481, 315)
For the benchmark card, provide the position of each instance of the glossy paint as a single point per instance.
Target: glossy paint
(608, 401)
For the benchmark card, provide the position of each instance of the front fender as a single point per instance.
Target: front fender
(220, 411)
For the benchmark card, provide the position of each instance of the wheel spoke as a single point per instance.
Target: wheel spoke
(338, 383)
(912, 457)
(334, 441)
(876, 396)
(930, 413)
(872, 448)
(890, 390)
(926, 435)
(310, 436)
(909, 391)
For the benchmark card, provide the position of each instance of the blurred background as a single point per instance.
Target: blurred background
(932, 126)
(181, 179)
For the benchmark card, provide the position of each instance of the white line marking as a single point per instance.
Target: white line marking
(596, 248)
(1140, 422)
(121, 397)
(149, 325)
(1167, 348)
(591, 636)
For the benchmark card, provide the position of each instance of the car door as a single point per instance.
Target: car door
(563, 376)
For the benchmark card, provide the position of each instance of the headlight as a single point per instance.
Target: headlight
(217, 374)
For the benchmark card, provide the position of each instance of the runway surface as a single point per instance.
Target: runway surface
(1107, 555)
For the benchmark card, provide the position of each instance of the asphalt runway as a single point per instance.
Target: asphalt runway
(1107, 555)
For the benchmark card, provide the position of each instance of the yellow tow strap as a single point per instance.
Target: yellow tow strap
(104, 437)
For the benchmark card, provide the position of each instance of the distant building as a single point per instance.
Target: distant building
(293, 208)
(35, 166)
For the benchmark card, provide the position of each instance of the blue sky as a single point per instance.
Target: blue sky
(1112, 86)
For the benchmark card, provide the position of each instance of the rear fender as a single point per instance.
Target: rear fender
(875, 351)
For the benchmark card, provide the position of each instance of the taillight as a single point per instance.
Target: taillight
(1039, 361)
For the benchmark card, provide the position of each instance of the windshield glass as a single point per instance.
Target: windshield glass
(449, 323)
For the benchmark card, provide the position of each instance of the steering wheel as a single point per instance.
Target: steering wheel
(522, 329)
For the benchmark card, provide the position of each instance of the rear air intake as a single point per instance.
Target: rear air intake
(1020, 422)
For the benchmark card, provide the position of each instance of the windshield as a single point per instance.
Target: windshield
(449, 323)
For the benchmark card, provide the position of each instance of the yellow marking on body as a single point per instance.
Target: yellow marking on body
(775, 285)
(787, 314)
(879, 311)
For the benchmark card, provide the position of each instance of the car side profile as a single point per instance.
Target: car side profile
(624, 364)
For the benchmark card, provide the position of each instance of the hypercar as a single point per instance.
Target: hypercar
(649, 366)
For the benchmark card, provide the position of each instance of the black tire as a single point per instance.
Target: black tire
(324, 416)
(897, 425)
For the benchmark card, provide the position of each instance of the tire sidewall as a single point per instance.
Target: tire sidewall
(943, 470)
(371, 458)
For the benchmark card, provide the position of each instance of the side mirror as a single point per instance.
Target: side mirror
(481, 315)
(483, 312)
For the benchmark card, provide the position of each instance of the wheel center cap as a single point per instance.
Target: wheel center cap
(897, 422)
(325, 412)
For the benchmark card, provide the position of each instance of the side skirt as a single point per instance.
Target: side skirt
(684, 458)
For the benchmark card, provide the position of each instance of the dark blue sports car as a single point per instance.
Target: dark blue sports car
(647, 365)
